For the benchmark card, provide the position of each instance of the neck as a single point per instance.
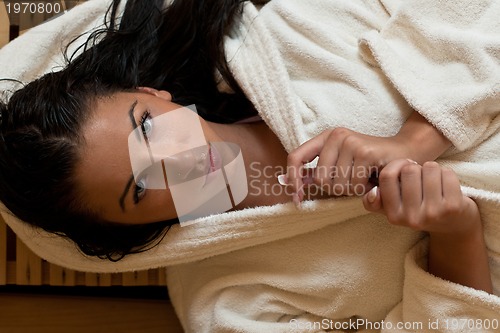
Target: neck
(265, 159)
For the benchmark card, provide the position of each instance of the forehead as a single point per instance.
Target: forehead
(105, 166)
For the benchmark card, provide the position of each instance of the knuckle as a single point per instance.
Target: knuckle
(433, 214)
(413, 222)
(293, 158)
(416, 227)
(409, 169)
(350, 141)
(452, 207)
(339, 132)
(430, 165)
(394, 218)
(365, 152)
(387, 175)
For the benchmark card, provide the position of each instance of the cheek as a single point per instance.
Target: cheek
(155, 206)
(209, 133)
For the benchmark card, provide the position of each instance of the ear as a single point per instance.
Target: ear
(158, 93)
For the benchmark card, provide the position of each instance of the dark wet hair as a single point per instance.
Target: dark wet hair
(178, 48)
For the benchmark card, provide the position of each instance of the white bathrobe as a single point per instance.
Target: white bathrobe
(364, 65)
(308, 66)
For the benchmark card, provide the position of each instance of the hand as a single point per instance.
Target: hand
(347, 160)
(426, 198)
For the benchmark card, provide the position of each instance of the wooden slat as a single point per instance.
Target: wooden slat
(63, 5)
(91, 279)
(116, 279)
(29, 269)
(79, 278)
(56, 275)
(139, 278)
(98, 279)
(69, 277)
(28, 266)
(104, 279)
(4, 25)
(3, 252)
(11, 272)
(162, 276)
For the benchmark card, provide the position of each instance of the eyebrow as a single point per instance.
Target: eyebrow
(132, 118)
(121, 201)
(124, 194)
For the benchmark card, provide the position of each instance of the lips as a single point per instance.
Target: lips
(211, 159)
(214, 162)
(215, 158)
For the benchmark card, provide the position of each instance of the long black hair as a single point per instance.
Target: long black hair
(178, 48)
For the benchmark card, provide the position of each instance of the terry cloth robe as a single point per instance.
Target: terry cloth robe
(364, 65)
(331, 265)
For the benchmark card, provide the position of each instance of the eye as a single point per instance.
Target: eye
(139, 190)
(146, 124)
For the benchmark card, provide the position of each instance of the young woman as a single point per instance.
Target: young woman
(64, 143)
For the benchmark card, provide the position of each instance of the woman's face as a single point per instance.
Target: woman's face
(104, 174)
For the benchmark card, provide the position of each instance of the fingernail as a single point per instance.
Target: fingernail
(411, 161)
(372, 195)
(283, 180)
(296, 200)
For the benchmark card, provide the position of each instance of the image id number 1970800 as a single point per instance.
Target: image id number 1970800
(33, 7)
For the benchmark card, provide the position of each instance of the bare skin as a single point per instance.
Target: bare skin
(106, 145)
(457, 251)
(428, 198)
(412, 193)
(347, 159)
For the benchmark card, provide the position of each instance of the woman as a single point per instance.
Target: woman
(184, 51)
(80, 189)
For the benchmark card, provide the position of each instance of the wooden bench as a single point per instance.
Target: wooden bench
(23, 310)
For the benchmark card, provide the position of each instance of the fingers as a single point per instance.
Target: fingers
(326, 168)
(401, 193)
(354, 164)
(411, 188)
(361, 172)
(451, 185)
(372, 201)
(453, 199)
(426, 198)
(345, 162)
(431, 181)
(387, 197)
(300, 156)
(342, 167)
(390, 189)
